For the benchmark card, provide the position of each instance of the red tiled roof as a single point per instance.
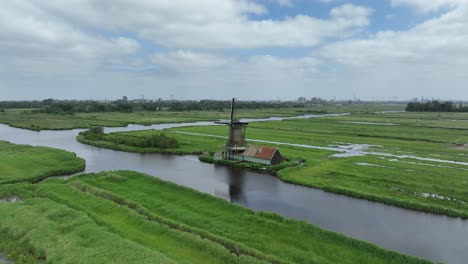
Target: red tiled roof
(260, 152)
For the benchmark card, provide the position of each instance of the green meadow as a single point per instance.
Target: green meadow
(24, 118)
(128, 217)
(20, 163)
(394, 175)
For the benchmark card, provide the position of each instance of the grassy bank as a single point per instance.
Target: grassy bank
(187, 145)
(252, 166)
(20, 163)
(425, 185)
(24, 118)
(403, 181)
(40, 230)
(128, 217)
(107, 142)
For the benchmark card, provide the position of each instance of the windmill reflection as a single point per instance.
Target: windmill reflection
(236, 180)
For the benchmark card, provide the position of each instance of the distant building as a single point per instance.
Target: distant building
(140, 100)
(301, 99)
(124, 99)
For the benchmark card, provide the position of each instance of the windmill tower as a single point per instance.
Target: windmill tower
(236, 141)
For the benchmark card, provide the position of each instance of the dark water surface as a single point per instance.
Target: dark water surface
(435, 237)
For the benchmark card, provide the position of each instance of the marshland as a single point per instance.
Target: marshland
(368, 172)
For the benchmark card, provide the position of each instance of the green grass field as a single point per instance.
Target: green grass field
(27, 163)
(402, 181)
(188, 144)
(23, 118)
(128, 217)
(437, 187)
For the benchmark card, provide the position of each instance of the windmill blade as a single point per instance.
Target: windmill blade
(232, 110)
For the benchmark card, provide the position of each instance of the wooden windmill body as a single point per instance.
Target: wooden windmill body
(236, 142)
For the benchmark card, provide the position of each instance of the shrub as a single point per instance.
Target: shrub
(94, 133)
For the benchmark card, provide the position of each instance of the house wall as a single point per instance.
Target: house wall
(256, 160)
(277, 158)
(232, 156)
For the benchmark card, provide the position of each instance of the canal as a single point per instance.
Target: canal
(435, 237)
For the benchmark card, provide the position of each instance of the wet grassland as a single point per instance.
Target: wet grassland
(20, 163)
(129, 217)
(27, 119)
(413, 160)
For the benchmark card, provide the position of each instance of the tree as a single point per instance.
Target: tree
(93, 133)
(436, 106)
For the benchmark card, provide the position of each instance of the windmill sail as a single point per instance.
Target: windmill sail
(232, 110)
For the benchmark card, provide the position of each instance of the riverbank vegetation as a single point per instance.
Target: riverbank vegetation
(146, 142)
(128, 217)
(20, 163)
(408, 160)
(37, 120)
(155, 141)
(273, 169)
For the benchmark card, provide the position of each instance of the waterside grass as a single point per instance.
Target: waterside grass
(19, 163)
(129, 217)
(388, 173)
(25, 118)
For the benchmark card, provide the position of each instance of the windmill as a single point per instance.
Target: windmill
(236, 141)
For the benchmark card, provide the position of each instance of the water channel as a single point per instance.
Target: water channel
(434, 237)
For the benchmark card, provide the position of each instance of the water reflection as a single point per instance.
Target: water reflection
(236, 180)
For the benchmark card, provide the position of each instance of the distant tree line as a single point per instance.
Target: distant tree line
(436, 106)
(68, 107)
(64, 107)
(20, 104)
(90, 106)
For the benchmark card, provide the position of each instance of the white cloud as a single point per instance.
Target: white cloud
(189, 61)
(425, 6)
(91, 48)
(27, 31)
(348, 12)
(185, 61)
(288, 3)
(440, 38)
(328, 1)
(432, 54)
(80, 37)
(217, 76)
(204, 23)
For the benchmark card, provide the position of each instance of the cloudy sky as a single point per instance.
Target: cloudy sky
(249, 49)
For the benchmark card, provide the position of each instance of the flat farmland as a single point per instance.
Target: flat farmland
(392, 158)
(28, 119)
